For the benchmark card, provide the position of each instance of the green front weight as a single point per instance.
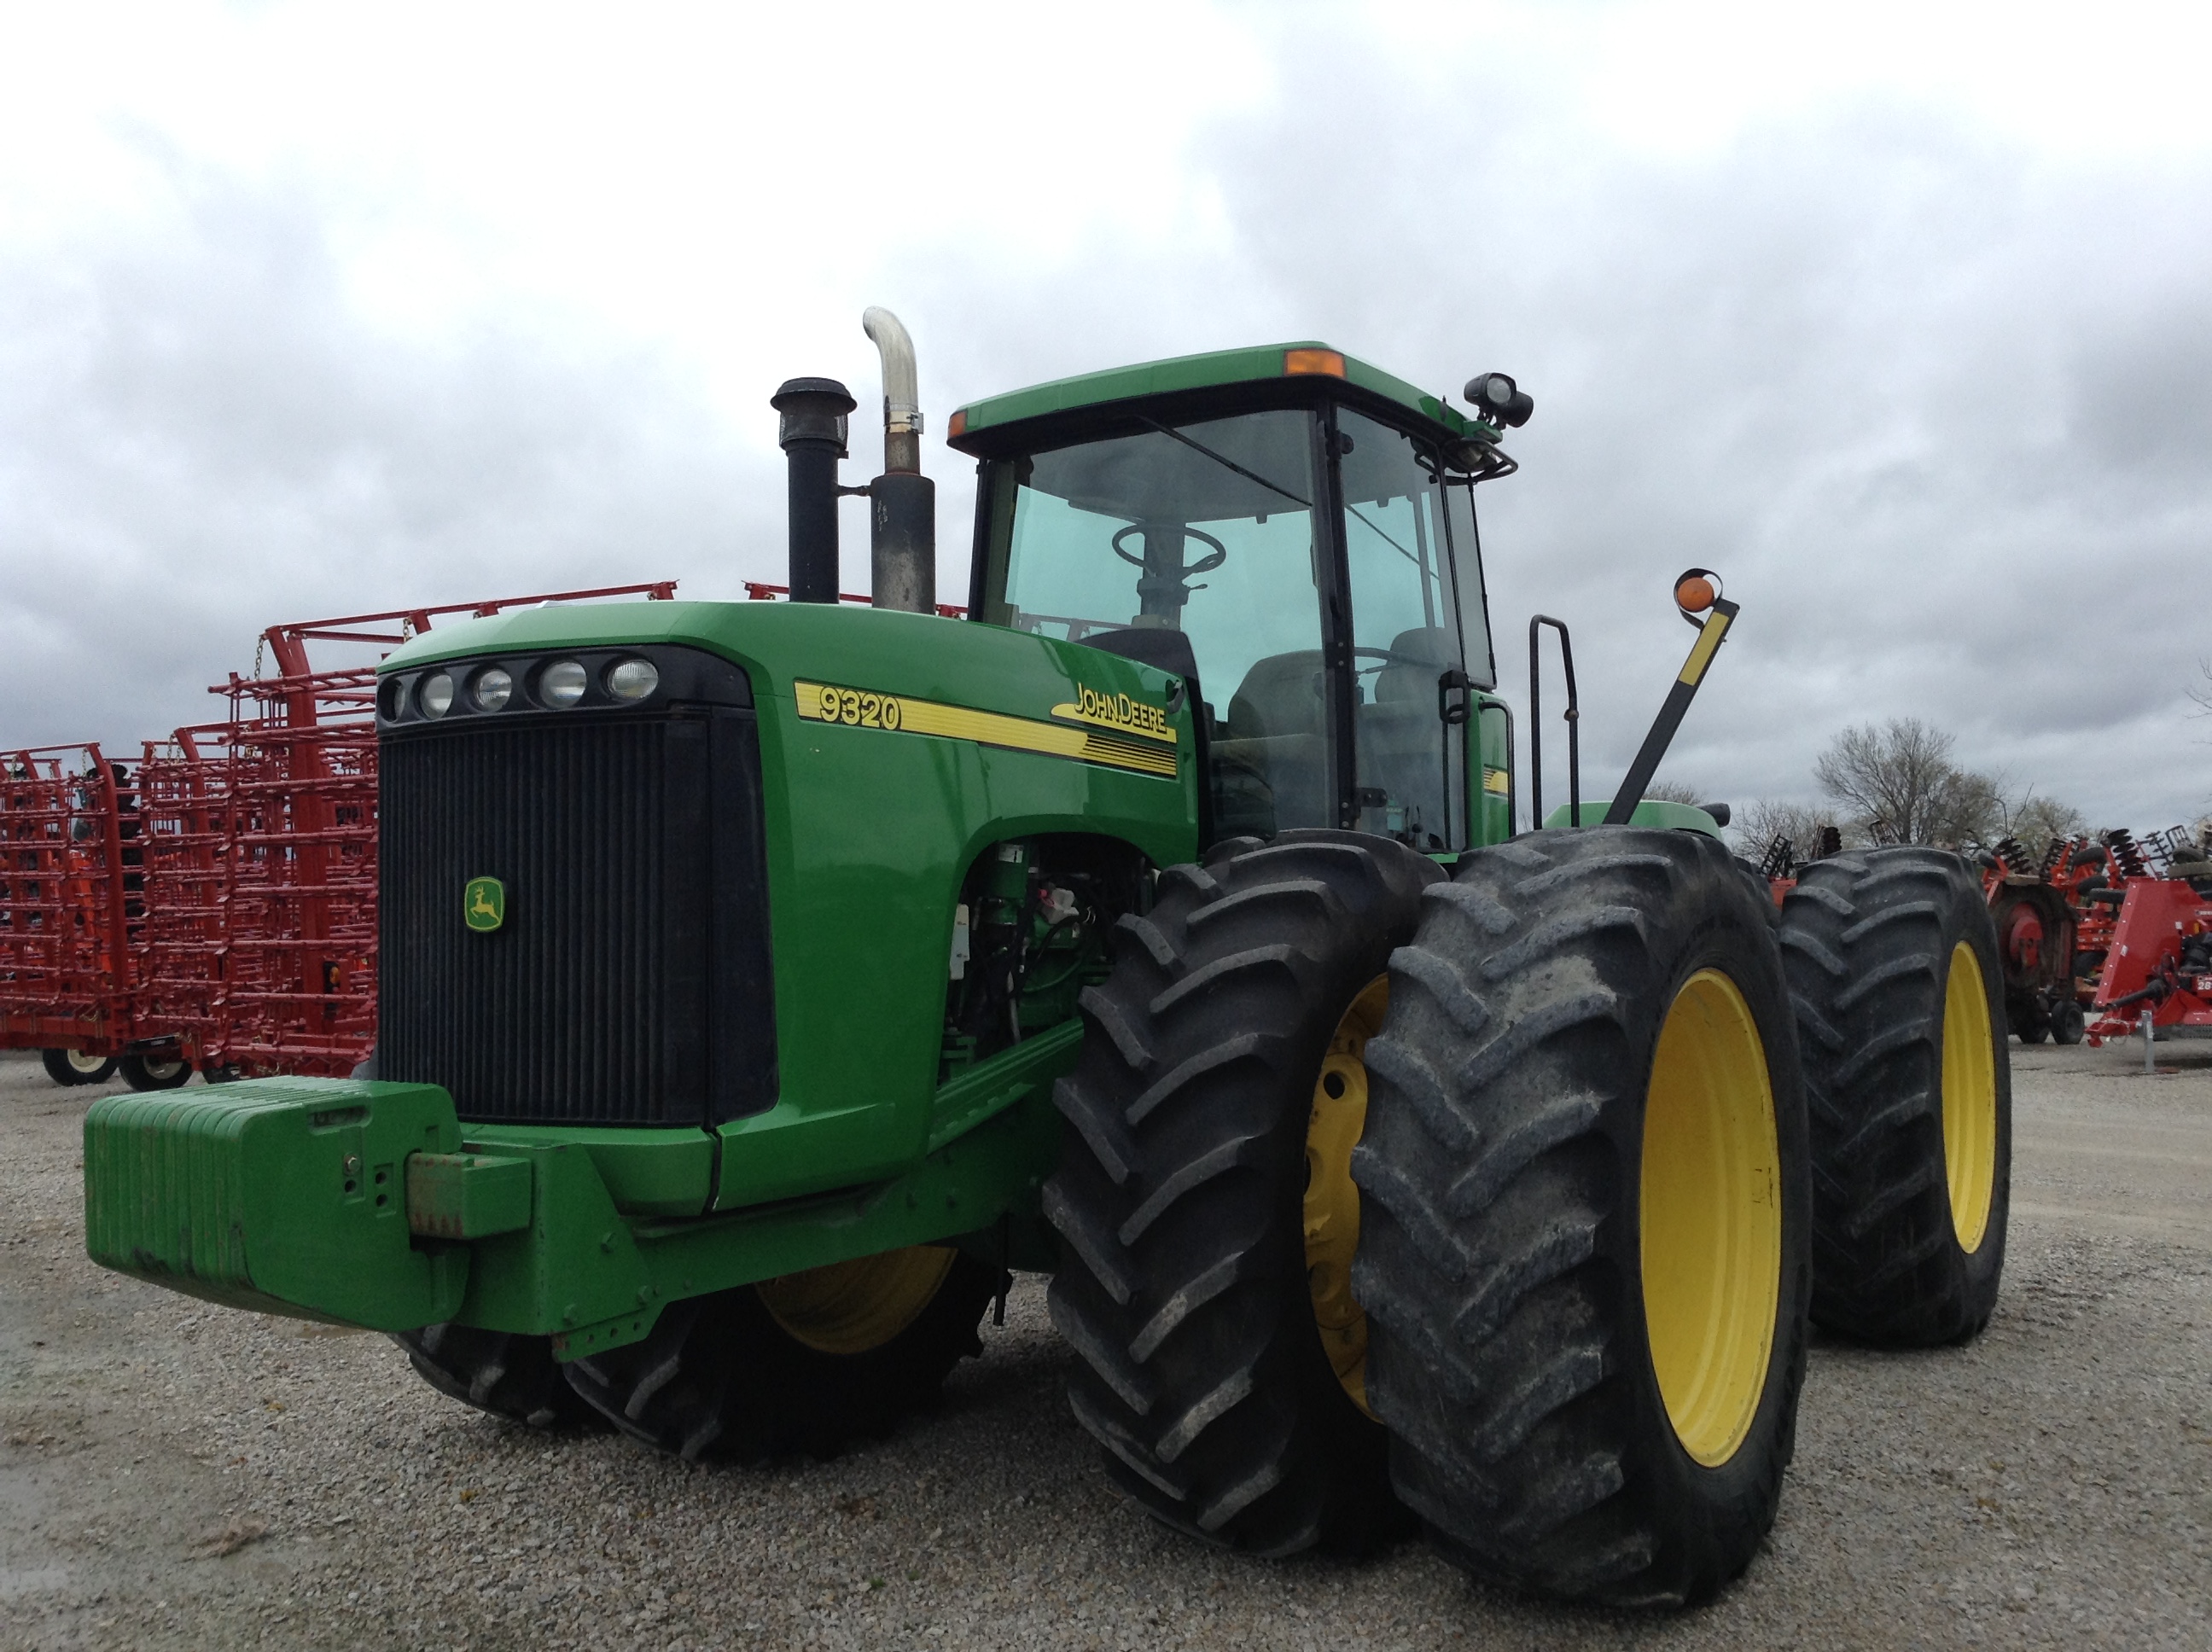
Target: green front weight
(360, 1203)
(287, 1195)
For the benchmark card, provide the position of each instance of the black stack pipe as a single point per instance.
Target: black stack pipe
(812, 436)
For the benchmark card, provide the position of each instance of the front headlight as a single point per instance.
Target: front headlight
(435, 696)
(495, 687)
(632, 679)
(561, 683)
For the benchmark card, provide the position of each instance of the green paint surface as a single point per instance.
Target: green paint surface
(1652, 811)
(286, 1195)
(1211, 370)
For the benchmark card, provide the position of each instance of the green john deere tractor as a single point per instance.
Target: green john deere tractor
(762, 983)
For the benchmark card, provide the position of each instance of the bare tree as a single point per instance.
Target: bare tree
(1759, 821)
(2035, 821)
(1969, 811)
(1899, 777)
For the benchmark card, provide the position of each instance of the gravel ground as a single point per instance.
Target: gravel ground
(174, 1475)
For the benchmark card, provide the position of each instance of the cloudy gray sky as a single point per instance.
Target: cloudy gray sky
(1901, 317)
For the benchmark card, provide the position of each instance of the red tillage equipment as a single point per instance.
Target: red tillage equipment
(70, 910)
(2158, 957)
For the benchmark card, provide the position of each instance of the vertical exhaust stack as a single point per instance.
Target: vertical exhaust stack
(903, 502)
(812, 436)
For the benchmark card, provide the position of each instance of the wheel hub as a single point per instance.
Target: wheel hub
(1710, 1217)
(1331, 1210)
(1970, 1099)
(849, 1308)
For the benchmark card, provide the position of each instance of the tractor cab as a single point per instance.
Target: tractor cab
(1289, 530)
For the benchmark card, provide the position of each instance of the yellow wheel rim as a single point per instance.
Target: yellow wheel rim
(848, 1308)
(1710, 1217)
(1331, 1202)
(1970, 1099)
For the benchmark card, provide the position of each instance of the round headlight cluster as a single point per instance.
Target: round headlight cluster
(561, 684)
(632, 679)
(558, 685)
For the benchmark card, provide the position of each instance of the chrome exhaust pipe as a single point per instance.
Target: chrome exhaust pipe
(903, 502)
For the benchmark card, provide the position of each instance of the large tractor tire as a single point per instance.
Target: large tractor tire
(1896, 978)
(1205, 1199)
(806, 1362)
(1584, 1250)
(76, 1067)
(508, 1375)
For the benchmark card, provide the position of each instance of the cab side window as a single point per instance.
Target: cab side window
(1410, 763)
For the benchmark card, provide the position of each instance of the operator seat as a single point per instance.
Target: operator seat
(1404, 746)
(1271, 757)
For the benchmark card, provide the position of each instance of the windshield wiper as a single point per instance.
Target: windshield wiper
(1229, 463)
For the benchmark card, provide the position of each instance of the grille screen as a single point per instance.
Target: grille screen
(627, 982)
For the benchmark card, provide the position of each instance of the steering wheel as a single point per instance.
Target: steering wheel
(1204, 566)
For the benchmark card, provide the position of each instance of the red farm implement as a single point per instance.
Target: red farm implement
(2157, 941)
(71, 909)
(2036, 940)
(218, 909)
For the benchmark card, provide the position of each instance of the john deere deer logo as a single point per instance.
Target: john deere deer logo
(483, 907)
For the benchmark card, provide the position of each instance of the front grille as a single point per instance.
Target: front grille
(627, 982)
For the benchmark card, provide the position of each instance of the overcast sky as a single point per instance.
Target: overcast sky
(1902, 320)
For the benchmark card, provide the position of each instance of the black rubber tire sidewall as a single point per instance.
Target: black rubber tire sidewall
(743, 1388)
(504, 1373)
(2067, 1022)
(1525, 1019)
(1888, 1268)
(1730, 1508)
(1180, 991)
(136, 1072)
(57, 1064)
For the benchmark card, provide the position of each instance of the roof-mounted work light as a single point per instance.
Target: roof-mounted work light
(1499, 399)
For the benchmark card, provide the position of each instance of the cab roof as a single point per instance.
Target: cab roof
(1214, 370)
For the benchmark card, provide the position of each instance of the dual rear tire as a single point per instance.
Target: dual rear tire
(1557, 1349)
(1590, 1218)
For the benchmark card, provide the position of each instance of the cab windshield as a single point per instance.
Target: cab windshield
(1209, 528)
